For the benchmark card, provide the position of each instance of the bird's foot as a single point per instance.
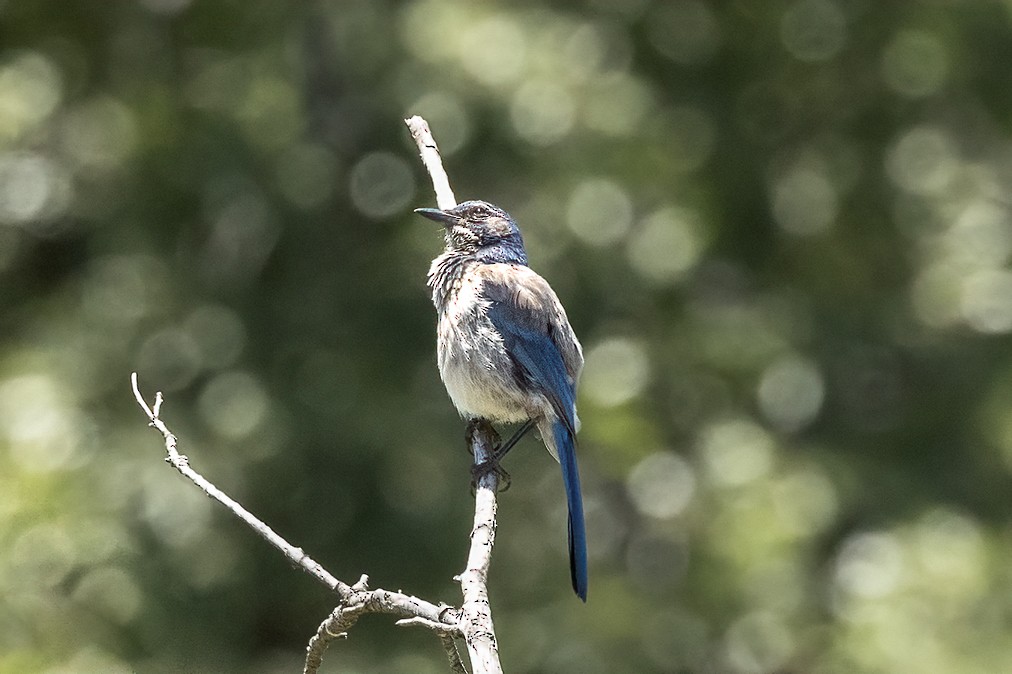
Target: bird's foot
(481, 431)
(490, 467)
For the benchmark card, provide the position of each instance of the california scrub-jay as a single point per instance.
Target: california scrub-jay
(506, 350)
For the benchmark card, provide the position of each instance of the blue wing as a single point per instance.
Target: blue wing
(529, 322)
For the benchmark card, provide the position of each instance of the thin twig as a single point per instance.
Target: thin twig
(444, 620)
(336, 626)
(181, 463)
(429, 153)
(356, 599)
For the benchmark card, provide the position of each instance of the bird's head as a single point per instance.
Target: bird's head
(481, 229)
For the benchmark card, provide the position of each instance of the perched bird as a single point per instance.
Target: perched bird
(506, 351)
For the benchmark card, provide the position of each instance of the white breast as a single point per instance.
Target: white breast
(473, 363)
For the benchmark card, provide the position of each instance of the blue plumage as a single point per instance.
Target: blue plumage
(506, 351)
(538, 359)
(564, 443)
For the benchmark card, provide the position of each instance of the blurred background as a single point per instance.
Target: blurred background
(782, 231)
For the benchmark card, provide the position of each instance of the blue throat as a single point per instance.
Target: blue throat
(508, 251)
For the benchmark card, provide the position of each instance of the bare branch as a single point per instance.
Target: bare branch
(444, 620)
(334, 627)
(437, 627)
(356, 599)
(429, 153)
(158, 401)
(140, 399)
(445, 637)
(476, 615)
(182, 464)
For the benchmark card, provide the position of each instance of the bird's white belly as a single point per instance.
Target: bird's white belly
(475, 377)
(473, 363)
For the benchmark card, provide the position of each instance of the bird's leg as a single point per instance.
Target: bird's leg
(502, 449)
(478, 470)
(481, 426)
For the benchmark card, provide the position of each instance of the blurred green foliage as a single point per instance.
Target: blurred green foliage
(782, 231)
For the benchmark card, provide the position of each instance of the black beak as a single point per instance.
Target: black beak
(442, 217)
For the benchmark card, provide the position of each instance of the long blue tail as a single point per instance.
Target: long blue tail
(577, 530)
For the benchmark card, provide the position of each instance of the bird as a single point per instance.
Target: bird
(505, 349)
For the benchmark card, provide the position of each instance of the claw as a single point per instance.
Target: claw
(480, 425)
(480, 470)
